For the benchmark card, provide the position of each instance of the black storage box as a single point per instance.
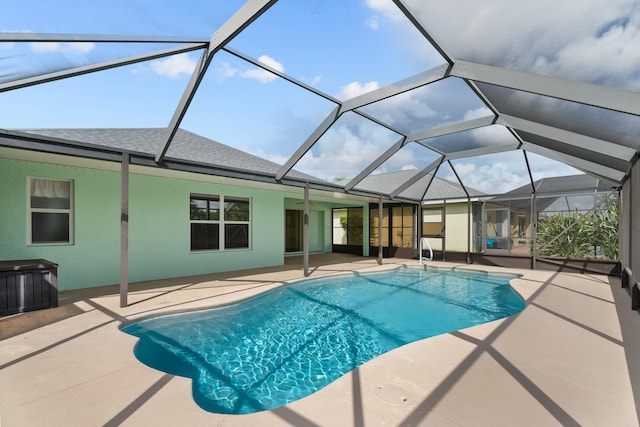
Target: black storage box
(26, 285)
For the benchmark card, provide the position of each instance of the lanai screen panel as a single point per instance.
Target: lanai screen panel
(434, 105)
(495, 173)
(254, 110)
(348, 147)
(117, 17)
(410, 163)
(411, 156)
(544, 167)
(27, 59)
(599, 157)
(131, 96)
(445, 185)
(488, 138)
(274, 85)
(123, 22)
(612, 126)
(340, 48)
(587, 41)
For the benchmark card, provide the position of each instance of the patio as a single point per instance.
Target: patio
(565, 360)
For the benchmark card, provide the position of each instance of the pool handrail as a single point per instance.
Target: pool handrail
(424, 239)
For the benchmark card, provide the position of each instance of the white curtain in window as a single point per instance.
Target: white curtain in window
(50, 188)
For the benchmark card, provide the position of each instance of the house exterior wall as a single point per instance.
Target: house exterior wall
(457, 227)
(159, 223)
(95, 252)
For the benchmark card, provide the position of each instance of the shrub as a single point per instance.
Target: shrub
(580, 236)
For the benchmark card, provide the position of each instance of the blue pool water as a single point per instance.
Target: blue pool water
(288, 343)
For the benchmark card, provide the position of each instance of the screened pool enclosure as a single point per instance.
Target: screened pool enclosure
(452, 110)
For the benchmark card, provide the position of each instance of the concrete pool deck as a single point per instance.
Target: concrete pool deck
(564, 360)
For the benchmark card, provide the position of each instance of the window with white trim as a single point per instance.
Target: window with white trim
(50, 211)
(219, 222)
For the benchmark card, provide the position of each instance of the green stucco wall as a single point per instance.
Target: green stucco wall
(158, 225)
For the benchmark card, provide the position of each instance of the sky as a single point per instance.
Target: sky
(341, 48)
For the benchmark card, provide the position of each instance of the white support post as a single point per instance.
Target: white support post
(124, 230)
(534, 230)
(380, 216)
(305, 229)
(444, 230)
(469, 234)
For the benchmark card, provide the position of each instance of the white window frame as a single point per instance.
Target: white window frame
(222, 222)
(31, 210)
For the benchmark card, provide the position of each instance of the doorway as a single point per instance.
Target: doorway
(293, 230)
(433, 228)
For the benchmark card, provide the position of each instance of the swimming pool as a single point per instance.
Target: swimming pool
(265, 352)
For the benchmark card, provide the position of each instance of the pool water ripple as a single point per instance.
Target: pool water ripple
(288, 343)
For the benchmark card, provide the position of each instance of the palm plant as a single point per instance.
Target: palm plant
(580, 236)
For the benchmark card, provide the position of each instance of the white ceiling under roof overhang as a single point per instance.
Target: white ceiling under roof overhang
(491, 95)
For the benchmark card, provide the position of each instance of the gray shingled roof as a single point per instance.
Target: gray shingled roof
(563, 184)
(386, 183)
(186, 146)
(554, 188)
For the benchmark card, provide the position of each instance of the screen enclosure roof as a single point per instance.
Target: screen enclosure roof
(489, 95)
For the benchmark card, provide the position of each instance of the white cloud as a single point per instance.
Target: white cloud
(73, 47)
(592, 42)
(261, 75)
(225, 70)
(373, 22)
(408, 167)
(477, 113)
(507, 171)
(354, 89)
(543, 167)
(495, 178)
(174, 66)
(342, 152)
(345, 150)
(607, 57)
(260, 152)
(493, 135)
(387, 8)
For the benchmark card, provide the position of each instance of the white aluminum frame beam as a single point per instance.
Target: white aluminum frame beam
(464, 188)
(249, 12)
(378, 122)
(417, 177)
(584, 93)
(482, 151)
(415, 137)
(452, 128)
(570, 138)
(433, 176)
(416, 22)
(279, 74)
(101, 66)
(613, 176)
(405, 85)
(94, 38)
(376, 164)
(311, 140)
